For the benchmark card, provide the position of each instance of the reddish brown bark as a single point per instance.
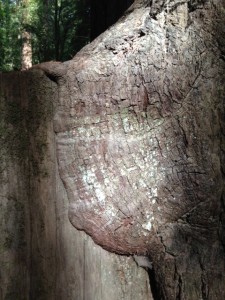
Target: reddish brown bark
(140, 143)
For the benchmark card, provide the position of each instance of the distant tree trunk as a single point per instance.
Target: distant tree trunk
(26, 55)
(26, 50)
(138, 151)
(57, 34)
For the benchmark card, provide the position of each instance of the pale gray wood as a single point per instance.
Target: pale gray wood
(43, 257)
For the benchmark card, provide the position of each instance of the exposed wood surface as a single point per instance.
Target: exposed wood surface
(42, 255)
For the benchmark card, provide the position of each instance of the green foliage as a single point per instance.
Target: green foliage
(10, 40)
(59, 29)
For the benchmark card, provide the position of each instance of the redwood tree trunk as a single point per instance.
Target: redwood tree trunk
(140, 142)
(139, 132)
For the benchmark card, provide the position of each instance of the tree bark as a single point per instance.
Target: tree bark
(43, 257)
(139, 133)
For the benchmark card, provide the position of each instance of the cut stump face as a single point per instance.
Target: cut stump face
(135, 132)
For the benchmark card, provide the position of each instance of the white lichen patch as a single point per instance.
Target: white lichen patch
(147, 226)
(100, 195)
(126, 125)
(111, 211)
(89, 177)
(106, 181)
(154, 192)
(131, 169)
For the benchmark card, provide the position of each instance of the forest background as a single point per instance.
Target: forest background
(57, 30)
(49, 30)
